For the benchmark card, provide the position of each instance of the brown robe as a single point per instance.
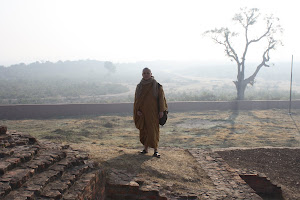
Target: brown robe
(148, 125)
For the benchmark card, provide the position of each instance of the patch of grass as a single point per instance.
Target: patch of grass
(108, 125)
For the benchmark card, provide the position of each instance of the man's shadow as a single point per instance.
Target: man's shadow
(234, 114)
(126, 167)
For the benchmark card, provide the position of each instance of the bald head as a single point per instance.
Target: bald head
(146, 73)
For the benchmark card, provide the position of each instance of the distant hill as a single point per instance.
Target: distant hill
(67, 69)
(60, 82)
(131, 72)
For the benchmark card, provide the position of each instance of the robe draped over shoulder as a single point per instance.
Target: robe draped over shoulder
(146, 102)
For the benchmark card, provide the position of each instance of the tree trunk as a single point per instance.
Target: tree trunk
(240, 88)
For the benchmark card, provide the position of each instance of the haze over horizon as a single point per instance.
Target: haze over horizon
(129, 31)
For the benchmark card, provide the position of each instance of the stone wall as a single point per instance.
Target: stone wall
(123, 185)
(63, 110)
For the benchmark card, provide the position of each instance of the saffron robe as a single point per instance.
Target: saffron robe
(148, 124)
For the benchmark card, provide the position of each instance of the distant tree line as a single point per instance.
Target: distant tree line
(81, 69)
(41, 91)
(47, 82)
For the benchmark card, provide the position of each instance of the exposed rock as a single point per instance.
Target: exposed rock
(3, 130)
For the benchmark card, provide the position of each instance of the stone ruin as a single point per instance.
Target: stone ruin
(31, 169)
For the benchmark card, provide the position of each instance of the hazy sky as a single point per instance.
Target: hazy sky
(129, 30)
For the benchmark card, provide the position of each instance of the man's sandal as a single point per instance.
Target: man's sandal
(156, 154)
(143, 152)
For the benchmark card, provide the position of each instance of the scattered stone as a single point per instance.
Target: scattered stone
(3, 130)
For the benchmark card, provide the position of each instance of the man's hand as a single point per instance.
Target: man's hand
(139, 113)
(161, 114)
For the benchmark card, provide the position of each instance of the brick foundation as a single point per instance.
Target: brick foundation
(30, 169)
(131, 192)
(123, 185)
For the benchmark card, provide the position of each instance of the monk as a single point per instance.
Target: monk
(145, 111)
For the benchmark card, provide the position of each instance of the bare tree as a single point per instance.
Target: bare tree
(247, 18)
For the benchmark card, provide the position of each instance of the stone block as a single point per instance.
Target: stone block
(3, 130)
(50, 193)
(20, 195)
(4, 188)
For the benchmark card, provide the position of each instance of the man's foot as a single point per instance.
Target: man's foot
(156, 154)
(144, 151)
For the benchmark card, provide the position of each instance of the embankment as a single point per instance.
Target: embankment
(63, 110)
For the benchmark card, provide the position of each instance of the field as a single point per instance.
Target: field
(209, 129)
(113, 140)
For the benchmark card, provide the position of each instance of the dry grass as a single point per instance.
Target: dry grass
(186, 130)
(113, 140)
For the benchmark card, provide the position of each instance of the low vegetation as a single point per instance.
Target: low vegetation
(55, 91)
(90, 81)
(186, 130)
(74, 91)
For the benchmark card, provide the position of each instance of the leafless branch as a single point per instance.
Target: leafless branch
(265, 59)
